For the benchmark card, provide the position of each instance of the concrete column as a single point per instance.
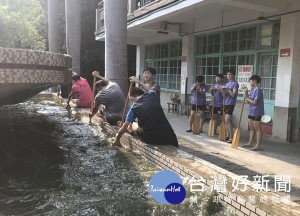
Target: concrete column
(73, 32)
(288, 76)
(53, 33)
(115, 21)
(187, 64)
(140, 60)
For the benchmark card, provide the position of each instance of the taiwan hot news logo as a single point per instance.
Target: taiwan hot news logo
(166, 187)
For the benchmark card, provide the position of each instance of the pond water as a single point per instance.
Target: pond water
(52, 164)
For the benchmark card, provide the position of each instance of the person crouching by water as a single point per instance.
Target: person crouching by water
(153, 126)
(82, 90)
(110, 97)
(200, 89)
(256, 111)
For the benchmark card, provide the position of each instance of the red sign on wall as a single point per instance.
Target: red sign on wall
(285, 52)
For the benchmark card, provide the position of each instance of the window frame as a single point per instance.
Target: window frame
(256, 52)
(153, 62)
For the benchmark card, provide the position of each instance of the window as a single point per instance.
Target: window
(268, 73)
(141, 3)
(161, 50)
(247, 39)
(242, 46)
(270, 36)
(161, 73)
(175, 72)
(208, 67)
(230, 41)
(166, 59)
(229, 63)
(209, 44)
(175, 48)
(149, 52)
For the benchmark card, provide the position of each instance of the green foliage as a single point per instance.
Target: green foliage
(23, 24)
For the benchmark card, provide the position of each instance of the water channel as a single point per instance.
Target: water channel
(52, 164)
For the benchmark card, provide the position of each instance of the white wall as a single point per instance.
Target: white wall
(287, 83)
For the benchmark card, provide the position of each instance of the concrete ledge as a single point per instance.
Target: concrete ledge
(24, 73)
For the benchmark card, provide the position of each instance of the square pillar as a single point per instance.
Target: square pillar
(187, 66)
(287, 80)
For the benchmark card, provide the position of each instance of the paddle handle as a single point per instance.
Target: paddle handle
(126, 104)
(93, 94)
(223, 109)
(213, 103)
(196, 91)
(241, 114)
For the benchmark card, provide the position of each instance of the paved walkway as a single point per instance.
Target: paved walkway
(277, 158)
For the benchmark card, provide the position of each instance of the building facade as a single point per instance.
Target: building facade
(183, 39)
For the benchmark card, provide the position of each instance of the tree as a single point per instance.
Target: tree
(23, 24)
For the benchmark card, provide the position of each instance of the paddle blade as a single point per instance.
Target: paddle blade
(196, 126)
(236, 139)
(222, 133)
(211, 128)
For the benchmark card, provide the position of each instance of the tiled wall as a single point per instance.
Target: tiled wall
(29, 66)
(32, 57)
(31, 76)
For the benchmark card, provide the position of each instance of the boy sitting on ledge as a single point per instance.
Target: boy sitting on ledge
(153, 126)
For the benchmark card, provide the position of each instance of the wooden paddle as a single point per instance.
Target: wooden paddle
(196, 124)
(57, 98)
(211, 125)
(237, 133)
(93, 96)
(222, 132)
(126, 104)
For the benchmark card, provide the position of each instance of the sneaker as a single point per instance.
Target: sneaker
(229, 140)
(189, 130)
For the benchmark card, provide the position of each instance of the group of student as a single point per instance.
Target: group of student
(225, 95)
(153, 126)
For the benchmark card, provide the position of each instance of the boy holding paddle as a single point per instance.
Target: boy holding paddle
(231, 91)
(148, 75)
(111, 97)
(218, 93)
(153, 126)
(256, 111)
(199, 98)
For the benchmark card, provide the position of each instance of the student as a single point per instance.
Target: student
(111, 97)
(148, 75)
(199, 89)
(231, 92)
(82, 90)
(153, 126)
(256, 111)
(218, 93)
